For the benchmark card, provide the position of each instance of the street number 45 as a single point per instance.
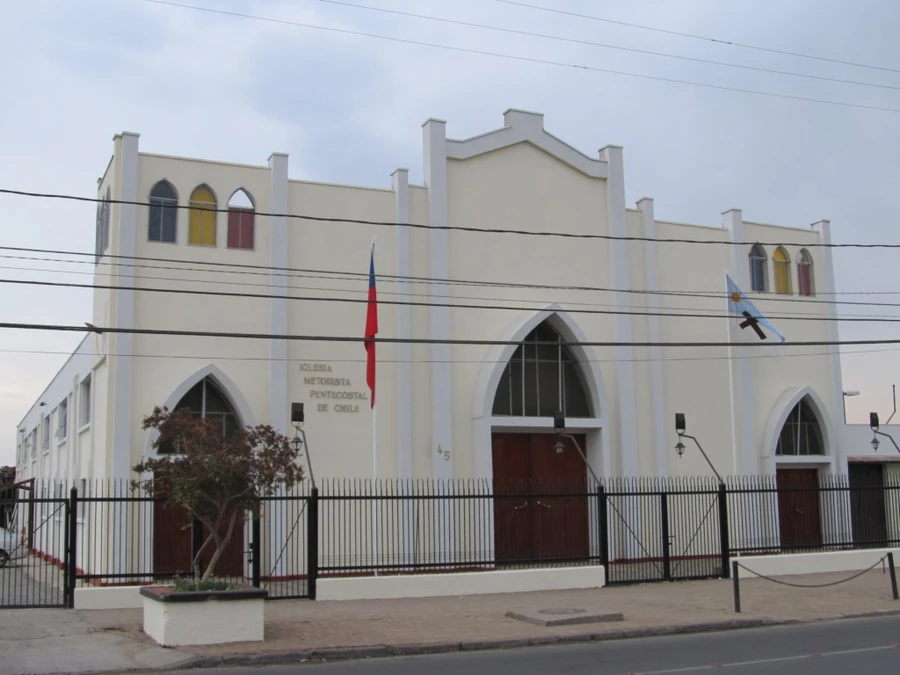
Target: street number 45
(443, 453)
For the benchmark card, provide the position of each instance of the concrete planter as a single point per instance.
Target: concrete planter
(203, 617)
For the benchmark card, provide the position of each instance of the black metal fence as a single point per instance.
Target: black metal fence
(106, 533)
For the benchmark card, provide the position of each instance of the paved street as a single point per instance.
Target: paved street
(834, 648)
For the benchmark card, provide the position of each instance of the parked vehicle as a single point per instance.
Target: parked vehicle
(11, 546)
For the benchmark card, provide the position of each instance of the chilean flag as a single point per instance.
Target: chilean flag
(371, 328)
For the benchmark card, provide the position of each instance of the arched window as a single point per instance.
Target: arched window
(240, 220)
(758, 273)
(805, 280)
(801, 433)
(163, 221)
(206, 400)
(541, 379)
(202, 222)
(102, 240)
(781, 261)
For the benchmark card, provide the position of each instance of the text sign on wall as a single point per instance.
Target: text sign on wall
(330, 392)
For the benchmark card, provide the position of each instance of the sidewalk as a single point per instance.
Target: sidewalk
(55, 641)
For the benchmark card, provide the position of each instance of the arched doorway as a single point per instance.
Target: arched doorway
(540, 507)
(176, 539)
(799, 511)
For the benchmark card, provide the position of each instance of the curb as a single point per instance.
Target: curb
(386, 651)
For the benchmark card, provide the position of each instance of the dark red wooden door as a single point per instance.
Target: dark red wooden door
(173, 543)
(559, 521)
(540, 511)
(171, 535)
(512, 508)
(798, 508)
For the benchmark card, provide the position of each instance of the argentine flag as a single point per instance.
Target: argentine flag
(745, 311)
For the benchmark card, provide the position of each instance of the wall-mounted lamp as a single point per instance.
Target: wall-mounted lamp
(559, 423)
(297, 418)
(874, 425)
(680, 428)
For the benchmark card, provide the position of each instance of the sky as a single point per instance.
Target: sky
(349, 109)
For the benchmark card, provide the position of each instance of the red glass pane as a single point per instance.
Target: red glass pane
(803, 278)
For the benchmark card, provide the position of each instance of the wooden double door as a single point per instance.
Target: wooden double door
(799, 514)
(540, 501)
(176, 540)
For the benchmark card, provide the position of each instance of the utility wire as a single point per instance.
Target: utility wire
(269, 359)
(702, 38)
(90, 328)
(355, 276)
(421, 303)
(588, 43)
(527, 59)
(454, 228)
(541, 304)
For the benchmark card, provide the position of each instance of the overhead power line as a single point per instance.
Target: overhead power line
(729, 43)
(452, 228)
(218, 267)
(536, 304)
(451, 305)
(269, 359)
(88, 328)
(418, 303)
(588, 43)
(526, 59)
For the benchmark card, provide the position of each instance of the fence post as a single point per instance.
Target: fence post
(664, 516)
(255, 550)
(723, 529)
(603, 517)
(890, 557)
(71, 547)
(736, 582)
(312, 543)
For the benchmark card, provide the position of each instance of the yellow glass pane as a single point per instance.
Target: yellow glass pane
(203, 194)
(780, 255)
(782, 276)
(202, 227)
(202, 219)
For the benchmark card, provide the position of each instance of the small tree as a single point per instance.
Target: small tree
(215, 476)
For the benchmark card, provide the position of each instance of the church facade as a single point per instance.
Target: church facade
(492, 332)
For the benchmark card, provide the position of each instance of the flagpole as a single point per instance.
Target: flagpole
(375, 505)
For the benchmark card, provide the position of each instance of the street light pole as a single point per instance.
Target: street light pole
(874, 424)
(680, 427)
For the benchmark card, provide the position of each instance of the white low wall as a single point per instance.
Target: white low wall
(463, 583)
(124, 597)
(812, 563)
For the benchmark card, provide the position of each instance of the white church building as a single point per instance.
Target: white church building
(471, 396)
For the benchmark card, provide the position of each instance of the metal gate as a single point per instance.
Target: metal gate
(666, 535)
(35, 548)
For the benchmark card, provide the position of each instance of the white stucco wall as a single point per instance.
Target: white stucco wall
(517, 177)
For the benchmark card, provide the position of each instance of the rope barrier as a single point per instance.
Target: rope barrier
(880, 561)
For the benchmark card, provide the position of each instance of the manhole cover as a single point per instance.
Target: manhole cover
(559, 611)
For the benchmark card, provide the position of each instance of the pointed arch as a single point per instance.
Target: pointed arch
(162, 224)
(781, 262)
(202, 218)
(241, 220)
(805, 278)
(785, 406)
(541, 377)
(498, 357)
(241, 199)
(758, 269)
(226, 387)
